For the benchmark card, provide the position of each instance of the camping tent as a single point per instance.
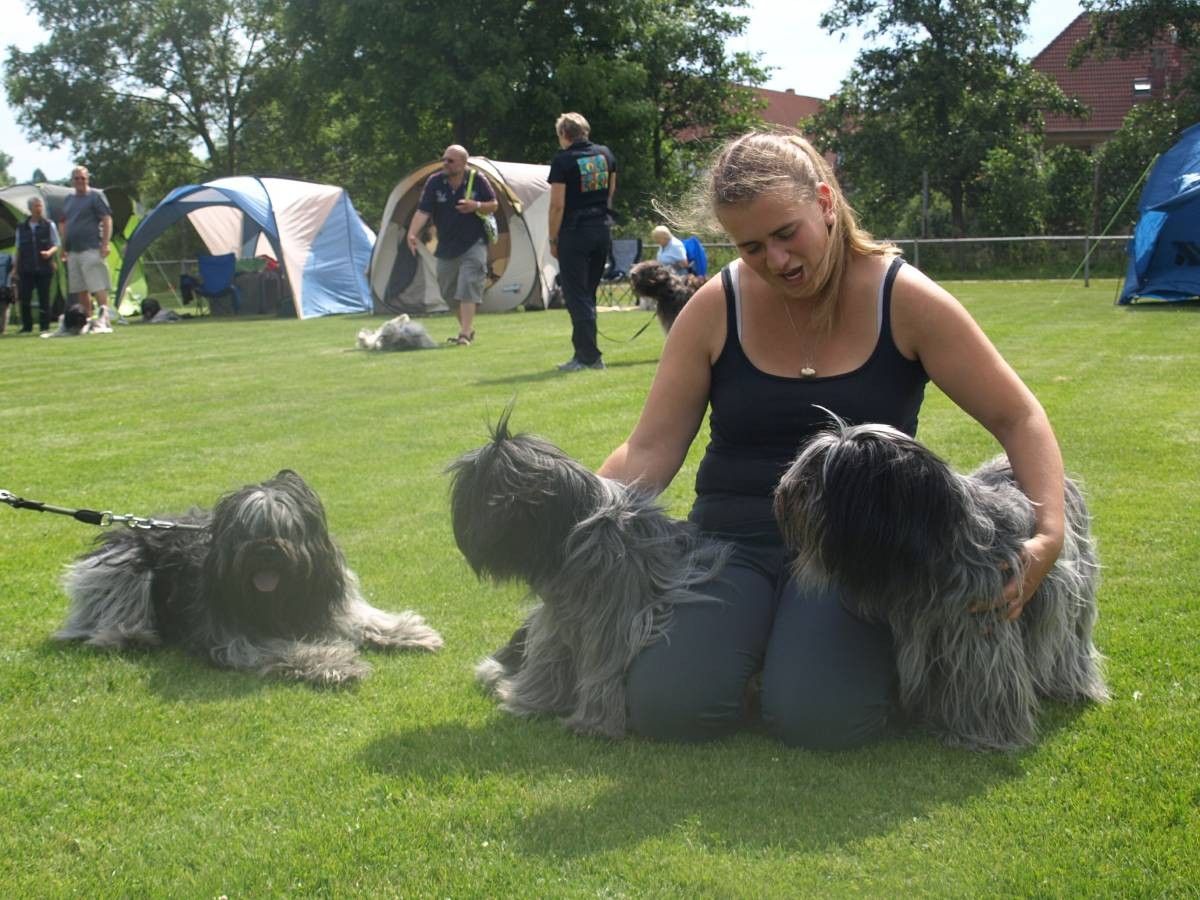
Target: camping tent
(312, 230)
(1164, 254)
(521, 269)
(14, 208)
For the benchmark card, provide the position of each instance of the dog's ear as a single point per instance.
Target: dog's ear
(501, 431)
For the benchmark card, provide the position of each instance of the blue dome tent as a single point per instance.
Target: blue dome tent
(312, 230)
(1164, 254)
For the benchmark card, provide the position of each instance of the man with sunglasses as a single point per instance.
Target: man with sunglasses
(86, 227)
(461, 240)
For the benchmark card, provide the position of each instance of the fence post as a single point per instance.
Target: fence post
(916, 253)
(1087, 255)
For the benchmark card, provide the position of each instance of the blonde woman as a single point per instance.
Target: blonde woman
(812, 314)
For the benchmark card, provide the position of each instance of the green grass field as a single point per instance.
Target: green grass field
(153, 774)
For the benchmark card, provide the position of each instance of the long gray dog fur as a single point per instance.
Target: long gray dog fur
(918, 546)
(607, 564)
(261, 585)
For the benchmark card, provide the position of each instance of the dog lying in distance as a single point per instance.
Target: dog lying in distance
(913, 544)
(400, 333)
(607, 564)
(257, 584)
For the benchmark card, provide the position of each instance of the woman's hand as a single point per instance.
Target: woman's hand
(1037, 558)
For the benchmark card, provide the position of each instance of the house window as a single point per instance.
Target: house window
(1141, 87)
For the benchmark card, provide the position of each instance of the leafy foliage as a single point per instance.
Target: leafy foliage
(139, 84)
(945, 90)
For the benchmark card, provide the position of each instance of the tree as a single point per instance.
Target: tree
(136, 84)
(5, 162)
(1067, 179)
(1149, 129)
(945, 91)
(496, 74)
(1009, 192)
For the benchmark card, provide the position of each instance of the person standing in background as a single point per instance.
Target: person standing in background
(86, 228)
(462, 242)
(36, 246)
(583, 179)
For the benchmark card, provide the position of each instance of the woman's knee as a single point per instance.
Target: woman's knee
(823, 722)
(669, 705)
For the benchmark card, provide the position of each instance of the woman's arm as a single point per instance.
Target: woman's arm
(931, 325)
(678, 396)
(558, 201)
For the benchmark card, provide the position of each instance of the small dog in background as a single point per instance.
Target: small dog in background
(669, 292)
(259, 585)
(400, 333)
(607, 564)
(917, 546)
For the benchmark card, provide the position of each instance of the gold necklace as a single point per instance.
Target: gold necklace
(805, 371)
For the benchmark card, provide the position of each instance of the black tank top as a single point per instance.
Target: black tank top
(759, 421)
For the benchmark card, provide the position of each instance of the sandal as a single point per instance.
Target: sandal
(463, 340)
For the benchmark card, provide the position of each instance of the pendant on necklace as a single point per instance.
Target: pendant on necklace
(808, 372)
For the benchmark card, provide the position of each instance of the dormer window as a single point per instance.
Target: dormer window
(1141, 87)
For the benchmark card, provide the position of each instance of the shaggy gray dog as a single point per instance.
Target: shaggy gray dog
(400, 333)
(607, 564)
(258, 585)
(924, 549)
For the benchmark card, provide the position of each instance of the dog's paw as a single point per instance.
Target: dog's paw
(489, 673)
(401, 631)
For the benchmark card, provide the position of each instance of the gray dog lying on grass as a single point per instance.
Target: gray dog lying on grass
(257, 584)
(400, 333)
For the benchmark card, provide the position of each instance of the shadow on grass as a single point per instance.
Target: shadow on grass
(1165, 306)
(553, 374)
(578, 796)
(172, 673)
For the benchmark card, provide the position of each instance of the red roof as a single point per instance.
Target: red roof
(787, 107)
(1108, 86)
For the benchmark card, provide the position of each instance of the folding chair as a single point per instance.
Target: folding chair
(214, 278)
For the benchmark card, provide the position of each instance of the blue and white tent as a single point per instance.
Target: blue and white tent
(312, 230)
(1164, 254)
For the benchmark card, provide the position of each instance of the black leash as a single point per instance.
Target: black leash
(93, 516)
(627, 340)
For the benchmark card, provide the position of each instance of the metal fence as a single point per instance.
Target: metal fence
(974, 258)
(995, 258)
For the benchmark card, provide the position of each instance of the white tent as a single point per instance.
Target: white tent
(313, 231)
(521, 269)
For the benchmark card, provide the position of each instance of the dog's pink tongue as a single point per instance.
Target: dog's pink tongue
(266, 580)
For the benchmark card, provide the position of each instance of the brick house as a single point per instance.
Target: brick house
(1109, 87)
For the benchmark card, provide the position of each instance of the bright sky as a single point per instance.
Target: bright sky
(805, 58)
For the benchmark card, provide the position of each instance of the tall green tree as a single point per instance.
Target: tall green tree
(5, 162)
(941, 89)
(137, 84)
(406, 79)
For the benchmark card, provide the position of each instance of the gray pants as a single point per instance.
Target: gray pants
(827, 676)
(461, 278)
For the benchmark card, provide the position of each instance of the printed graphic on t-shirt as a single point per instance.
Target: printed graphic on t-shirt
(593, 173)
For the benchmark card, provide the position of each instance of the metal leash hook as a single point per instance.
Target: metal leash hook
(94, 517)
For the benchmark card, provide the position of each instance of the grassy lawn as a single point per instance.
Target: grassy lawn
(153, 774)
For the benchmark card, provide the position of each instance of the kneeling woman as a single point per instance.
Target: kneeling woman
(814, 315)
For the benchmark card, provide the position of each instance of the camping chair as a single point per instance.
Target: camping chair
(697, 258)
(623, 253)
(214, 278)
